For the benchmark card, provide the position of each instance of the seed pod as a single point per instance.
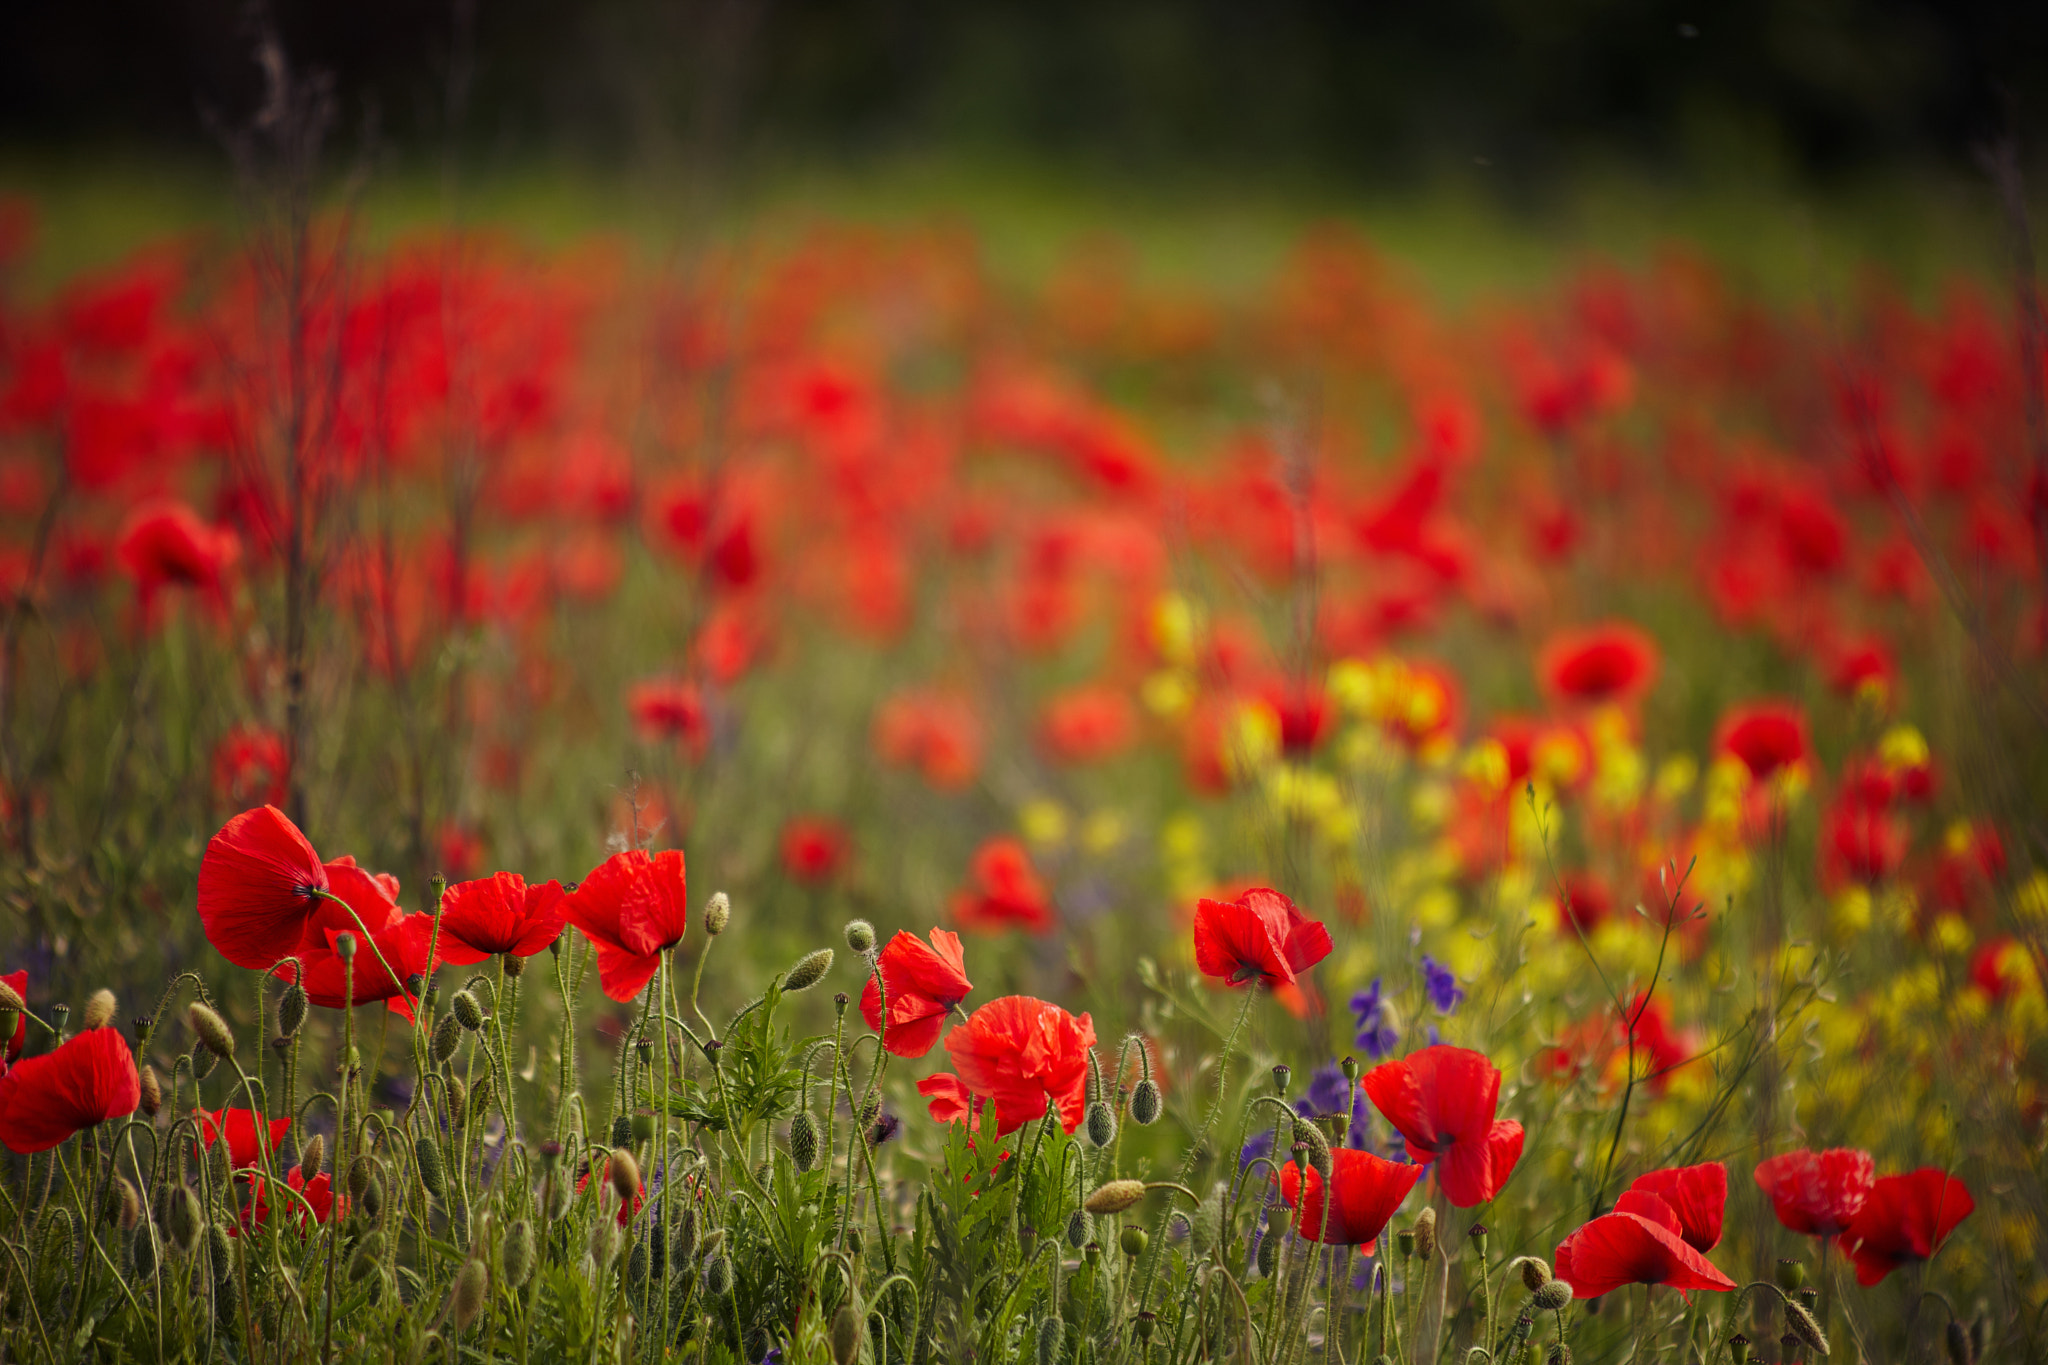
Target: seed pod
(1738, 1349)
(1114, 1196)
(1269, 1253)
(1553, 1296)
(1052, 1335)
(447, 1037)
(211, 1029)
(803, 1140)
(625, 1175)
(1080, 1228)
(1145, 1103)
(464, 1009)
(845, 1335)
(182, 1218)
(428, 1152)
(860, 936)
(311, 1157)
(369, 1255)
(1790, 1274)
(142, 1255)
(472, 1284)
(203, 1060)
(1101, 1124)
(1425, 1233)
(717, 1275)
(809, 970)
(98, 1011)
(1143, 1325)
(1535, 1274)
(515, 1257)
(1800, 1323)
(1133, 1240)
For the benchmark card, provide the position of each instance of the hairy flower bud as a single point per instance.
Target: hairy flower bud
(1553, 1296)
(10, 999)
(311, 1155)
(98, 1011)
(717, 1275)
(1145, 1103)
(1080, 1228)
(809, 970)
(203, 1060)
(1956, 1340)
(466, 1011)
(515, 1257)
(182, 1217)
(142, 1254)
(211, 1029)
(152, 1091)
(432, 1176)
(1052, 1336)
(803, 1140)
(860, 936)
(1113, 1197)
(717, 913)
(604, 1241)
(447, 1037)
(845, 1335)
(291, 1010)
(637, 1263)
(369, 1252)
(1560, 1354)
(1306, 1133)
(625, 1175)
(1101, 1124)
(360, 1172)
(466, 1301)
(1425, 1233)
(1800, 1323)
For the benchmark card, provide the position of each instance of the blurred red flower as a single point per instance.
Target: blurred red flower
(924, 982)
(1023, 1053)
(1905, 1218)
(814, 849)
(1442, 1100)
(1616, 662)
(1260, 937)
(250, 767)
(938, 734)
(1817, 1193)
(89, 1079)
(166, 545)
(664, 709)
(1003, 891)
(632, 907)
(500, 914)
(1088, 725)
(256, 888)
(1766, 735)
(1696, 1195)
(1369, 1190)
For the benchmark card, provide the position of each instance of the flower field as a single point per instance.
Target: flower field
(815, 802)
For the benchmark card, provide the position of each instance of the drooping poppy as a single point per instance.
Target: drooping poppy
(1696, 1195)
(1817, 1193)
(1021, 1052)
(1767, 736)
(1004, 891)
(1609, 663)
(88, 1080)
(633, 907)
(1906, 1218)
(1261, 936)
(924, 983)
(19, 1039)
(500, 914)
(1623, 1248)
(1442, 1100)
(1369, 1191)
(238, 1126)
(257, 887)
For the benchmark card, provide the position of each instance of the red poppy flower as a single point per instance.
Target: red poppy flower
(390, 944)
(1766, 736)
(1615, 662)
(1905, 1219)
(813, 849)
(1817, 1193)
(1088, 724)
(1021, 1052)
(1627, 1248)
(938, 734)
(1696, 1195)
(1369, 1190)
(1587, 902)
(256, 888)
(633, 908)
(924, 982)
(665, 709)
(168, 546)
(626, 1208)
(947, 1098)
(249, 766)
(19, 981)
(1260, 937)
(239, 1127)
(318, 1192)
(1442, 1100)
(500, 914)
(89, 1079)
(1004, 891)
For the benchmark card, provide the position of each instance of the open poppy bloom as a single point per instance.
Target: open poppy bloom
(1260, 937)
(317, 1192)
(1609, 663)
(1637, 1244)
(239, 1127)
(947, 1098)
(1369, 1191)
(1817, 1193)
(499, 914)
(390, 944)
(924, 983)
(1022, 1052)
(1767, 736)
(1905, 1219)
(257, 887)
(19, 1038)
(1442, 1100)
(89, 1079)
(1696, 1195)
(1004, 892)
(632, 908)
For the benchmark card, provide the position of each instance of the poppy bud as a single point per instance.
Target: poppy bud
(809, 970)
(1534, 1273)
(212, 1030)
(1310, 1136)
(373, 1198)
(683, 1241)
(152, 1091)
(465, 1010)
(515, 967)
(486, 996)
(1554, 1296)
(1281, 1073)
(636, 1263)
(1800, 1323)
(1145, 1103)
(99, 1010)
(1052, 1335)
(1425, 1233)
(345, 946)
(803, 1140)
(428, 1152)
(870, 1109)
(717, 914)
(1957, 1342)
(359, 1173)
(625, 1174)
(203, 1060)
(1560, 1354)
(369, 1252)
(181, 1217)
(142, 1254)
(458, 1097)
(472, 1283)
(1080, 1228)
(1101, 1124)
(1114, 1196)
(845, 1335)
(550, 1153)
(1790, 1275)
(291, 1010)
(604, 1241)
(447, 1037)
(860, 936)
(515, 1257)
(717, 1275)
(222, 1254)
(311, 1156)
